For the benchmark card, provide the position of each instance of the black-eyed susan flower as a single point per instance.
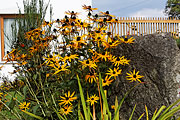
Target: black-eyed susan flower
(99, 38)
(106, 13)
(91, 77)
(88, 63)
(72, 13)
(67, 99)
(93, 99)
(78, 42)
(114, 73)
(88, 8)
(127, 40)
(65, 110)
(104, 56)
(107, 81)
(61, 68)
(133, 76)
(111, 44)
(120, 61)
(24, 106)
(69, 57)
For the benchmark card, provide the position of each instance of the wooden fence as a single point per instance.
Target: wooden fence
(142, 26)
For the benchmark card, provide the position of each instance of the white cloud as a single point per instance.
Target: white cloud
(146, 12)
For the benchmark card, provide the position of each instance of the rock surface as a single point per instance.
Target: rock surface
(157, 57)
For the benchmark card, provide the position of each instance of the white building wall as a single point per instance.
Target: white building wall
(59, 8)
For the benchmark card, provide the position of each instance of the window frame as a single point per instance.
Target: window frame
(2, 17)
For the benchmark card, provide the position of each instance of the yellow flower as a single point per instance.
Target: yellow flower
(24, 106)
(88, 8)
(69, 57)
(67, 99)
(133, 76)
(91, 77)
(120, 60)
(93, 99)
(114, 73)
(106, 13)
(104, 55)
(61, 68)
(113, 107)
(126, 40)
(99, 38)
(111, 44)
(88, 63)
(107, 81)
(1, 94)
(65, 110)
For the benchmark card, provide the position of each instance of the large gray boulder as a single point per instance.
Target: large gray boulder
(157, 57)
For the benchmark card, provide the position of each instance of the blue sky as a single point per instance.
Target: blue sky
(132, 8)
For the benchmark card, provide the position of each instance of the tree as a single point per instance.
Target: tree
(172, 8)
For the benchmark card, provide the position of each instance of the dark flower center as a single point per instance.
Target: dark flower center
(99, 38)
(96, 15)
(63, 25)
(73, 17)
(78, 38)
(66, 16)
(87, 62)
(91, 74)
(89, 14)
(72, 24)
(118, 59)
(125, 39)
(98, 31)
(134, 76)
(57, 20)
(110, 43)
(68, 54)
(107, 12)
(67, 20)
(114, 72)
(108, 33)
(67, 98)
(54, 30)
(81, 23)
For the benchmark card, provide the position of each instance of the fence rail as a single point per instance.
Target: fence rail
(142, 26)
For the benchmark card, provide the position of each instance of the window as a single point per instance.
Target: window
(5, 32)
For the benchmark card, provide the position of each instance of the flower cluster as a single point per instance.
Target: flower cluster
(57, 51)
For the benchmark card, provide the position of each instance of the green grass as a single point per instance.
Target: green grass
(5, 113)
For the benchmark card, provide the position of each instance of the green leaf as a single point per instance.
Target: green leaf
(132, 112)
(167, 109)
(25, 91)
(121, 102)
(141, 116)
(159, 111)
(116, 106)
(147, 115)
(170, 113)
(104, 97)
(79, 111)
(12, 103)
(34, 108)
(33, 115)
(82, 99)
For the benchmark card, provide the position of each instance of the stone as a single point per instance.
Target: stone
(157, 57)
